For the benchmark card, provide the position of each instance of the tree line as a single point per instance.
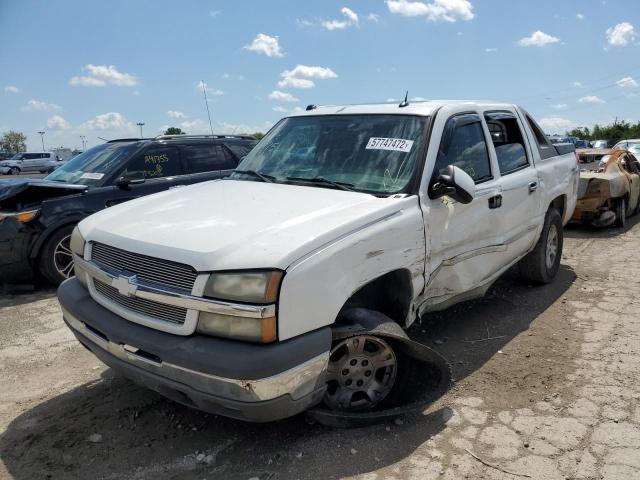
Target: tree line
(613, 132)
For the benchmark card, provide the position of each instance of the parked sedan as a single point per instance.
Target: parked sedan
(38, 216)
(609, 190)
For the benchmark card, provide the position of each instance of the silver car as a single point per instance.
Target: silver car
(30, 162)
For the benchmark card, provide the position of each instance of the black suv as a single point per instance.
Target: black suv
(38, 216)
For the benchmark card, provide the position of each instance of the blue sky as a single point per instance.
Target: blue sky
(96, 68)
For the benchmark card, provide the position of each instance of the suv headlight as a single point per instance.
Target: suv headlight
(258, 287)
(78, 244)
(21, 217)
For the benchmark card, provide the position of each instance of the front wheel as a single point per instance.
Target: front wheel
(621, 213)
(14, 171)
(542, 264)
(56, 258)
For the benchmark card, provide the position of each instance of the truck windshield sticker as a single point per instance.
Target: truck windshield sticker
(92, 176)
(395, 144)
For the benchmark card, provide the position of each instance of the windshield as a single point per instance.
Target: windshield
(17, 156)
(370, 153)
(94, 166)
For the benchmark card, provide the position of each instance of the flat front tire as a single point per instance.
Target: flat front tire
(541, 265)
(56, 259)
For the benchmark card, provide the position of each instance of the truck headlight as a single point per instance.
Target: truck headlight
(260, 330)
(78, 244)
(250, 287)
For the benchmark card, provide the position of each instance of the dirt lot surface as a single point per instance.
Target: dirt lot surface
(23, 175)
(547, 387)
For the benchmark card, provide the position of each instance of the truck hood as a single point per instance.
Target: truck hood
(26, 193)
(234, 224)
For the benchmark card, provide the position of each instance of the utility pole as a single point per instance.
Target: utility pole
(42, 138)
(140, 124)
(84, 146)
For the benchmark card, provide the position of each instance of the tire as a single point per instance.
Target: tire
(55, 261)
(541, 265)
(14, 171)
(621, 213)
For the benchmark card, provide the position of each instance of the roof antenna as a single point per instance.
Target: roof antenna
(405, 102)
(206, 102)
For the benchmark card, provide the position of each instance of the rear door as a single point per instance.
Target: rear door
(31, 162)
(519, 184)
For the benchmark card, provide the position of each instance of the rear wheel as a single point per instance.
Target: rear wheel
(542, 264)
(56, 258)
(621, 213)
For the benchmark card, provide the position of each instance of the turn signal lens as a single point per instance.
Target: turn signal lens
(22, 217)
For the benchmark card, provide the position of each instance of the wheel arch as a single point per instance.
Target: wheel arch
(49, 231)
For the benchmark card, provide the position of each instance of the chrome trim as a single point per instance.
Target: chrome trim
(135, 288)
(296, 382)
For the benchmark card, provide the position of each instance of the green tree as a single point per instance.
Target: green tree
(13, 142)
(174, 131)
(258, 135)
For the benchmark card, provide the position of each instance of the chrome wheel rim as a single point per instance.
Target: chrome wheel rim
(63, 257)
(552, 246)
(360, 374)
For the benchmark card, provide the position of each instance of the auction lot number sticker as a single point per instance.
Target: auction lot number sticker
(395, 144)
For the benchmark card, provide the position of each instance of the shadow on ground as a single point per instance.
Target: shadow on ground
(143, 435)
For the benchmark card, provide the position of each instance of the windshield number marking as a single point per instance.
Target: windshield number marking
(394, 144)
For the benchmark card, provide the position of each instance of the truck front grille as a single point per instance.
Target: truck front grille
(148, 269)
(142, 306)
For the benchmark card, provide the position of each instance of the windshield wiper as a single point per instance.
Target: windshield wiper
(340, 185)
(262, 176)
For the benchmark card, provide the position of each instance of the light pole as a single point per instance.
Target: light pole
(140, 124)
(42, 138)
(84, 144)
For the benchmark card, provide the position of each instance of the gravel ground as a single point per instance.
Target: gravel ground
(547, 387)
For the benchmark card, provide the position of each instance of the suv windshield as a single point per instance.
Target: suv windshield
(370, 153)
(96, 165)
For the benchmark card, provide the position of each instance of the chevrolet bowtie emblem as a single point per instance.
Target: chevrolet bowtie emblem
(126, 285)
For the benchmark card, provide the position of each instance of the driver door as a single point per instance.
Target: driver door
(466, 239)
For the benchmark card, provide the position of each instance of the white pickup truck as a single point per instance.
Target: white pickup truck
(290, 283)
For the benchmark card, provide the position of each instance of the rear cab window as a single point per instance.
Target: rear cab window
(508, 141)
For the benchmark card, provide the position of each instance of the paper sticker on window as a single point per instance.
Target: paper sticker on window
(395, 144)
(92, 176)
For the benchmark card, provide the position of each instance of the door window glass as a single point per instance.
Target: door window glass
(508, 141)
(157, 162)
(207, 158)
(464, 146)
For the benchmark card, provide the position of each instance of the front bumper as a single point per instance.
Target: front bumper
(14, 252)
(235, 379)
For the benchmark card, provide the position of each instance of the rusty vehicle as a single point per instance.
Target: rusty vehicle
(609, 188)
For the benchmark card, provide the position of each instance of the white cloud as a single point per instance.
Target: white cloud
(538, 39)
(301, 75)
(577, 84)
(490, 50)
(418, 99)
(559, 106)
(198, 126)
(109, 121)
(175, 114)
(282, 96)
(627, 82)
(304, 23)
(591, 99)
(57, 122)
(374, 17)
(621, 34)
(265, 45)
(38, 106)
(553, 125)
(102, 75)
(11, 89)
(579, 16)
(216, 92)
(280, 109)
(437, 10)
(215, 13)
(350, 20)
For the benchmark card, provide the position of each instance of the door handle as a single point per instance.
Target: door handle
(495, 201)
(533, 186)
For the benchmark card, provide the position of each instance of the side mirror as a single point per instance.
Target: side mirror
(130, 178)
(455, 183)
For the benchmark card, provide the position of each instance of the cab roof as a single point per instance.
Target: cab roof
(424, 108)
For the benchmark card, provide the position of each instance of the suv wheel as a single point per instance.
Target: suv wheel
(56, 258)
(14, 171)
(542, 264)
